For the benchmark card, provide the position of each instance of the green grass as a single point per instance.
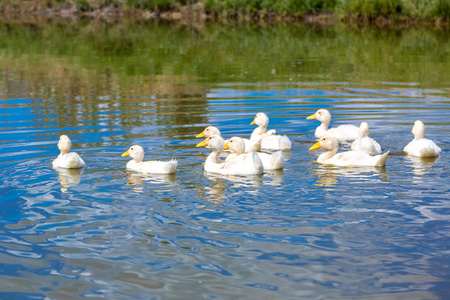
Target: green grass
(415, 9)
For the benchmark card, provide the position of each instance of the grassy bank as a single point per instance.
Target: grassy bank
(349, 11)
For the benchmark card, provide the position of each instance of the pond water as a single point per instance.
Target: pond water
(307, 232)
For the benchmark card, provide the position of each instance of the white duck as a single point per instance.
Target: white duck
(273, 161)
(348, 158)
(268, 138)
(67, 160)
(342, 133)
(366, 143)
(150, 167)
(421, 146)
(250, 146)
(248, 164)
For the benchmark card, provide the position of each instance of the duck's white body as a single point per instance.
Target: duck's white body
(366, 143)
(342, 133)
(349, 158)
(250, 146)
(153, 166)
(273, 161)
(150, 167)
(420, 146)
(246, 164)
(268, 138)
(67, 160)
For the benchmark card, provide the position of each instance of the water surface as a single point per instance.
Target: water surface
(307, 232)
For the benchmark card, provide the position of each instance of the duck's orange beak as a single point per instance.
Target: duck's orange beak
(201, 135)
(201, 144)
(315, 146)
(126, 154)
(311, 117)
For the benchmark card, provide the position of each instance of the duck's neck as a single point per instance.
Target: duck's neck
(419, 135)
(324, 125)
(138, 159)
(322, 129)
(214, 156)
(326, 155)
(256, 134)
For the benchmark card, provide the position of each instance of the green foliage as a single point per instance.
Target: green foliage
(153, 4)
(442, 9)
(416, 9)
(289, 7)
(305, 6)
(83, 5)
(372, 8)
(362, 9)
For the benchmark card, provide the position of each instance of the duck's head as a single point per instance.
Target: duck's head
(261, 119)
(235, 144)
(215, 142)
(136, 152)
(327, 143)
(418, 130)
(322, 115)
(64, 144)
(364, 129)
(208, 131)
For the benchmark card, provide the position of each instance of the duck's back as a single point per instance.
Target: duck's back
(344, 133)
(251, 146)
(153, 167)
(276, 142)
(274, 161)
(69, 161)
(367, 144)
(422, 148)
(244, 164)
(357, 158)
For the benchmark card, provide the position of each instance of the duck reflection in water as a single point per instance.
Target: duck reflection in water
(421, 166)
(328, 176)
(215, 192)
(276, 177)
(139, 178)
(68, 178)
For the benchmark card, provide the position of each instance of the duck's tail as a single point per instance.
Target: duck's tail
(276, 161)
(382, 160)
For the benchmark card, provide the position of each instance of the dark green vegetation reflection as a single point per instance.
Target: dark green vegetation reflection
(130, 51)
(67, 63)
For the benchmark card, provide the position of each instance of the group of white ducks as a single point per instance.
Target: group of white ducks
(246, 158)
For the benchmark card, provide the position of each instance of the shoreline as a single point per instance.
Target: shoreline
(196, 13)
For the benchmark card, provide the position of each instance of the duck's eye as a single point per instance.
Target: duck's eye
(131, 148)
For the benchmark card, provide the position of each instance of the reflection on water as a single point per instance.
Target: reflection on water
(137, 178)
(328, 176)
(68, 178)
(306, 232)
(215, 192)
(421, 166)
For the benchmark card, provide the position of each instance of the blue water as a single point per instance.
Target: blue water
(308, 232)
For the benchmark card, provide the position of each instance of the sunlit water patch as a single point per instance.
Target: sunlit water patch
(305, 232)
